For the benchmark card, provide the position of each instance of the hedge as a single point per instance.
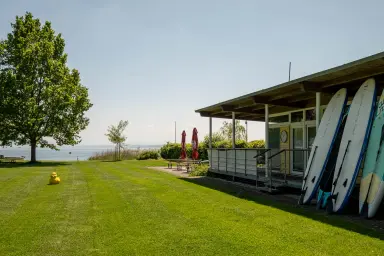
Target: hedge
(173, 150)
(148, 154)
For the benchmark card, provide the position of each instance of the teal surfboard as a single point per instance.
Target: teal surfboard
(372, 182)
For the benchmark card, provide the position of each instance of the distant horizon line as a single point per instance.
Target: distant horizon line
(87, 145)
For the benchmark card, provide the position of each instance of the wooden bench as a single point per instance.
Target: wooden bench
(10, 159)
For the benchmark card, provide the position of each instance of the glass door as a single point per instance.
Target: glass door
(297, 155)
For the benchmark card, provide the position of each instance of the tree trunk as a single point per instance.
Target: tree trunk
(33, 151)
(119, 151)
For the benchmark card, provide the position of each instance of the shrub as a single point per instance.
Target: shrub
(148, 154)
(256, 144)
(173, 151)
(223, 144)
(203, 152)
(170, 151)
(199, 170)
(241, 144)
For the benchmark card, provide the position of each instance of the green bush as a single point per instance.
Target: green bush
(256, 144)
(170, 151)
(173, 150)
(199, 170)
(148, 154)
(203, 152)
(241, 144)
(222, 144)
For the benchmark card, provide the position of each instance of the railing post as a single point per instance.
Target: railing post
(285, 166)
(270, 174)
(257, 169)
(226, 160)
(233, 178)
(218, 160)
(266, 137)
(210, 140)
(318, 103)
(245, 162)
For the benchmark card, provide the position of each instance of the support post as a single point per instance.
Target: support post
(210, 142)
(318, 100)
(305, 141)
(233, 130)
(246, 131)
(266, 139)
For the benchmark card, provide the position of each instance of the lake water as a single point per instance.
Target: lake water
(65, 153)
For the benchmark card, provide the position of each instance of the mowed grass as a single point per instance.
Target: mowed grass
(123, 208)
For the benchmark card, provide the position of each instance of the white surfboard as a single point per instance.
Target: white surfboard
(372, 181)
(322, 145)
(353, 144)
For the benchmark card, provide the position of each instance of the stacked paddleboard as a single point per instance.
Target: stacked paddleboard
(372, 182)
(352, 146)
(322, 145)
(325, 186)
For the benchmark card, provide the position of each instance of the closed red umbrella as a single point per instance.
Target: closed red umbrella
(183, 154)
(195, 145)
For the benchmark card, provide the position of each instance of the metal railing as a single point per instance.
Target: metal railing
(236, 161)
(287, 156)
(250, 163)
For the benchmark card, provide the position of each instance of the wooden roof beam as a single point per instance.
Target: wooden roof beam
(227, 108)
(280, 102)
(360, 75)
(310, 87)
(205, 114)
(245, 110)
(251, 116)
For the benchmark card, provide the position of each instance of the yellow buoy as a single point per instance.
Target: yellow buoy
(54, 179)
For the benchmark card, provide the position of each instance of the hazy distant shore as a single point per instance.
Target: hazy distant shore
(67, 153)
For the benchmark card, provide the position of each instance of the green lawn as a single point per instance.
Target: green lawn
(122, 208)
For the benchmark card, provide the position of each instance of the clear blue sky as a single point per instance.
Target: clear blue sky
(155, 62)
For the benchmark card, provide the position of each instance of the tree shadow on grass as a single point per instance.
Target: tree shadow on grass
(29, 164)
(352, 222)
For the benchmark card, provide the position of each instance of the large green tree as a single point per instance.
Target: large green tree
(40, 97)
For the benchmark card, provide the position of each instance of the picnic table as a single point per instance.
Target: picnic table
(180, 163)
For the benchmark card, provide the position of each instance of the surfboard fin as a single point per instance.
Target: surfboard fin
(325, 196)
(313, 180)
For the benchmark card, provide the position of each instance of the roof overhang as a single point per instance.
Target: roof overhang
(301, 93)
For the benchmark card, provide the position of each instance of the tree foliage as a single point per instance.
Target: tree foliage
(116, 135)
(216, 137)
(226, 130)
(40, 97)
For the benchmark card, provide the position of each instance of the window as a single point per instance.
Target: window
(279, 119)
(297, 117)
(310, 114)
